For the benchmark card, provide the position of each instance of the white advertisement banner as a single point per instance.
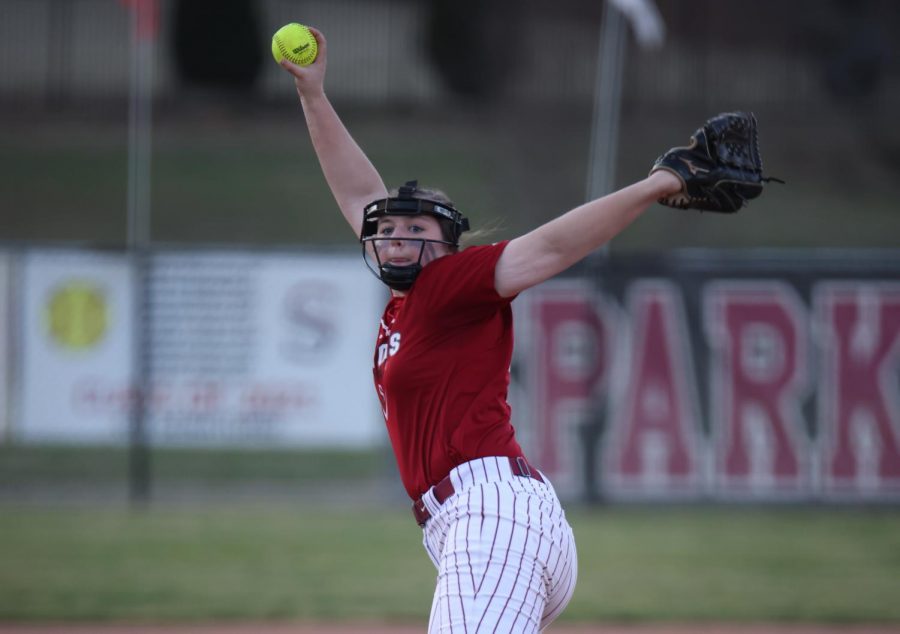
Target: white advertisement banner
(270, 351)
(76, 331)
(241, 349)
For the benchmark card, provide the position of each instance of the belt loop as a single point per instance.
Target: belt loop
(524, 469)
(420, 512)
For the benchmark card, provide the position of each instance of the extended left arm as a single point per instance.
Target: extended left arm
(555, 246)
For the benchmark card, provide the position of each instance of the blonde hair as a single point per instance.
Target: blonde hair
(481, 235)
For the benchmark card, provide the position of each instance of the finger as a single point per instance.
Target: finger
(320, 40)
(292, 68)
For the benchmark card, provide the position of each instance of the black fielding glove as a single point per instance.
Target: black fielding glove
(721, 169)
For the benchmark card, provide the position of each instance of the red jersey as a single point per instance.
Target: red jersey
(441, 368)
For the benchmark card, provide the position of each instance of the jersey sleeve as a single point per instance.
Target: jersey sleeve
(462, 281)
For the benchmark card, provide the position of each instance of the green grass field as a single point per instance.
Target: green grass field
(299, 562)
(56, 465)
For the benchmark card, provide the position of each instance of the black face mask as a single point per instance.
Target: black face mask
(399, 278)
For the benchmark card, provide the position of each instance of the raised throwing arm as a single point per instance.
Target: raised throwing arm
(555, 246)
(353, 180)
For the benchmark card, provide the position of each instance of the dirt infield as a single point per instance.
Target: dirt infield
(306, 628)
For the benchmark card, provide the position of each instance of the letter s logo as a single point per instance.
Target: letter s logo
(394, 343)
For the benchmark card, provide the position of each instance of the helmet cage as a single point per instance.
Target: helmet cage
(401, 278)
(405, 204)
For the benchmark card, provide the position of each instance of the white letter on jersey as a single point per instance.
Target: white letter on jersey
(395, 343)
(389, 349)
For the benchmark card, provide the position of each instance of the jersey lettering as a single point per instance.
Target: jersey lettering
(389, 348)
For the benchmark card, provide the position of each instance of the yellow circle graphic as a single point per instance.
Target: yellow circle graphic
(77, 315)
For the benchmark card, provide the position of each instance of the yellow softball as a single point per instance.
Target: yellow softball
(295, 43)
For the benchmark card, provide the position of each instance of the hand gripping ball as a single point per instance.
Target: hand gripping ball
(295, 43)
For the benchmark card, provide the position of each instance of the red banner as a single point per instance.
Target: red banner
(716, 386)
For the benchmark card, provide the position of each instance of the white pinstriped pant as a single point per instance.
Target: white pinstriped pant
(504, 551)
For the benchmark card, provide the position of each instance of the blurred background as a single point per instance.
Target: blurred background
(185, 321)
(492, 101)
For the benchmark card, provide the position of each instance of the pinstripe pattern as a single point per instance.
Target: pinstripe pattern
(504, 551)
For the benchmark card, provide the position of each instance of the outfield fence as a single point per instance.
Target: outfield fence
(688, 376)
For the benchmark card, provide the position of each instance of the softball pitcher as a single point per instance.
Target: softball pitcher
(492, 523)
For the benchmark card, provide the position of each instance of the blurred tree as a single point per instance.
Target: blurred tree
(218, 43)
(472, 44)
